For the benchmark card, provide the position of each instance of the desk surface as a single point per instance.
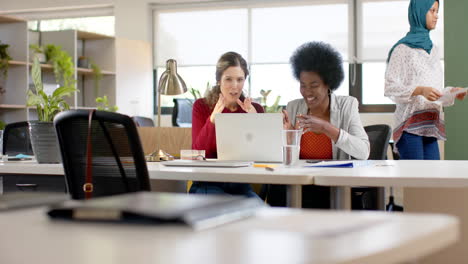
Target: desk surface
(274, 236)
(404, 173)
(401, 173)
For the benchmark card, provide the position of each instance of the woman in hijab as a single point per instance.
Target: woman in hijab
(414, 81)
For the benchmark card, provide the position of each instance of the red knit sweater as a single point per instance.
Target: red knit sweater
(203, 131)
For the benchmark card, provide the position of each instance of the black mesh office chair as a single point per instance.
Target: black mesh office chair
(16, 139)
(182, 112)
(369, 198)
(142, 121)
(117, 160)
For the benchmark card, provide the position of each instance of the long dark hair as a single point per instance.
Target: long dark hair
(228, 59)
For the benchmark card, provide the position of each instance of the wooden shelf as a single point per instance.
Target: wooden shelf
(86, 71)
(10, 19)
(12, 106)
(86, 107)
(83, 71)
(17, 63)
(91, 35)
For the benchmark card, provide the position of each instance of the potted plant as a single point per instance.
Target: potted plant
(97, 77)
(103, 104)
(43, 136)
(4, 62)
(37, 51)
(275, 107)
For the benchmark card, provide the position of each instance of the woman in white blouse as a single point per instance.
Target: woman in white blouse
(414, 81)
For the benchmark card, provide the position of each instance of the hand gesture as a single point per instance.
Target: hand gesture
(286, 121)
(459, 96)
(311, 123)
(431, 94)
(247, 105)
(219, 107)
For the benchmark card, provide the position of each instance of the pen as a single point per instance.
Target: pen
(269, 168)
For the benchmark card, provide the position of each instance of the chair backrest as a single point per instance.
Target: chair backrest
(182, 112)
(118, 163)
(379, 136)
(142, 121)
(16, 139)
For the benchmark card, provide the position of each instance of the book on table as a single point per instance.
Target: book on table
(196, 211)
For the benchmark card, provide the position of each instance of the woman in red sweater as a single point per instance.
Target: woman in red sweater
(225, 97)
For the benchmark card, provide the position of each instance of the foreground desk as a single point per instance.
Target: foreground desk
(429, 186)
(294, 178)
(273, 236)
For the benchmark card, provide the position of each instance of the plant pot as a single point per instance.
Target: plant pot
(83, 63)
(40, 56)
(44, 142)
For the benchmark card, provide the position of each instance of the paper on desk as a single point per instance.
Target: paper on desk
(340, 164)
(448, 96)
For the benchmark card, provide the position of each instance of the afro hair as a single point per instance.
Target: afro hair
(321, 58)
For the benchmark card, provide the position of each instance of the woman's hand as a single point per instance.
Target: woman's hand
(286, 121)
(431, 94)
(319, 126)
(219, 107)
(459, 96)
(247, 105)
(311, 123)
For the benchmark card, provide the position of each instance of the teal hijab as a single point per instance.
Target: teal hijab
(418, 36)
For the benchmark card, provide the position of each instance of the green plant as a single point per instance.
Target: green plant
(36, 48)
(47, 105)
(103, 104)
(275, 107)
(4, 59)
(2, 125)
(97, 77)
(64, 69)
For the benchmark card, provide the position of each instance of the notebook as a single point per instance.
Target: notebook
(249, 137)
(196, 211)
(207, 163)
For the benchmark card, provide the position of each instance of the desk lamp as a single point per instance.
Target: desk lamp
(170, 83)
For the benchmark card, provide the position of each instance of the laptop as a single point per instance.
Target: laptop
(249, 137)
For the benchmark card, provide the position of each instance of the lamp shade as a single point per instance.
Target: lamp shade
(170, 82)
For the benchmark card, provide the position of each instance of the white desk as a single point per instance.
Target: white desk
(274, 236)
(294, 178)
(429, 186)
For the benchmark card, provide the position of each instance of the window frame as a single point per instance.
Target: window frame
(355, 38)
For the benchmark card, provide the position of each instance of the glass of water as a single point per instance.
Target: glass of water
(291, 146)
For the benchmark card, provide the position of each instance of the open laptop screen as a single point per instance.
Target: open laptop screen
(249, 137)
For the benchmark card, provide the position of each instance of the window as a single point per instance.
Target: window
(197, 34)
(383, 24)
(196, 39)
(102, 24)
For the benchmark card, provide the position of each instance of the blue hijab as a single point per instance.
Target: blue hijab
(418, 36)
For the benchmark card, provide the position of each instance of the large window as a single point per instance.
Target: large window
(383, 23)
(197, 38)
(267, 33)
(101, 24)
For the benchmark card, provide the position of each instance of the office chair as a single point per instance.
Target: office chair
(16, 139)
(142, 121)
(111, 146)
(182, 112)
(369, 198)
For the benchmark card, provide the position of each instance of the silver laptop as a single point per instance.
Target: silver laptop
(249, 137)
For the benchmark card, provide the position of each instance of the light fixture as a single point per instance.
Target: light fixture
(170, 83)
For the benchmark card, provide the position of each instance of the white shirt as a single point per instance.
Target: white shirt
(407, 69)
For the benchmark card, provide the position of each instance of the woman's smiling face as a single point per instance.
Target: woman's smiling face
(313, 89)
